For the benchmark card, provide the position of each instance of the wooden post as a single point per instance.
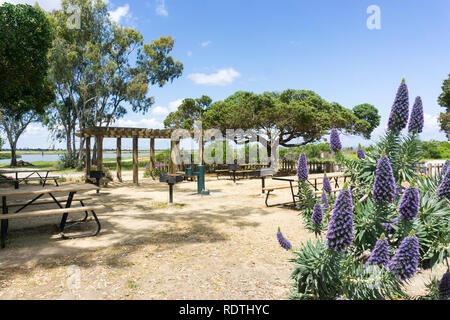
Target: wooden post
(99, 153)
(201, 149)
(173, 152)
(135, 161)
(88, 157)
(152, 154)
(119, 159)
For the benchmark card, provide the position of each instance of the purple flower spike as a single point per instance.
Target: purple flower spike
(445, 167)
(326, 184)
(302, 168)
(380, 254)
(416, 120)
(398, 119)
(335, 142)
(409, 207)
(284, 243)
(406, 259)
(360, 154)
(384, 189)
(444, 286)
(340, 229)
(317, 214)
(324, 201)
(444, 189)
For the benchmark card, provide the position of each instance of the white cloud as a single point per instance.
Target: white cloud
(120, 13)
(222, 77)
(160, 111)
(173, 105)
(47, 5)
(151, 123)
(206, 43)
(161, 9)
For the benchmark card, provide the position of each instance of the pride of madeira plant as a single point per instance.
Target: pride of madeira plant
(387, 222)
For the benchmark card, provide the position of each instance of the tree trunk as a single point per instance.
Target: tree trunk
(13, 154)
(69, 143)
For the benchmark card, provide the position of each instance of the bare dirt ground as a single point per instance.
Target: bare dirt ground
(221, 246)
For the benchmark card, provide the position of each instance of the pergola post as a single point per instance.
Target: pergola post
(201, 149)
(152, 154)
(88, 157)
(135, 161)
(173, 153)
(119, 159)
(99, 153)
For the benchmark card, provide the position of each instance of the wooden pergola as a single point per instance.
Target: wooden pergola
(134, 133)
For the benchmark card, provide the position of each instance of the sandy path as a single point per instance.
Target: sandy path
(221, 246)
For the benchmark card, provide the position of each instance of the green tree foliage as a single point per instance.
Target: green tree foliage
(189, 111)
(25, 38)
(444, 102)
(435, 149)
(296, 114)
(368, 113)
(25, 91)
(101, 68)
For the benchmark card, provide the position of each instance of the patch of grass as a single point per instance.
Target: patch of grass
(132, 284)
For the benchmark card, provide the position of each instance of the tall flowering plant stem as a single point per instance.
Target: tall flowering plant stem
(398, 118)
(326, 184)
(384, 186)
(302, 168)
(416, 120)
(335, 141)
(443, 190)
(306, 198)
(340, 228)
(324, 201)
(406, 260)
(284, 243)
(409, 206)
(316, 219)
(360, 153)
(380, 253)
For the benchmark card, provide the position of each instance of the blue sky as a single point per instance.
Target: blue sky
(259, 45)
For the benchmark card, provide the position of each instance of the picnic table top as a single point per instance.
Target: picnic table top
(312, 176)
(51, 189)
(29, 170)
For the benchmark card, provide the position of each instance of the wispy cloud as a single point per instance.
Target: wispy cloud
(222, 77)
(161, 9)
(173, 105)
(189, 53)
(160, 111)
(205, 43)
(151, 123)
(121, 12)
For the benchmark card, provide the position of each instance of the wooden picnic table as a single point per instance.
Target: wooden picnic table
(37, 193)
(315, 177)
(312, 177)
(28, 173)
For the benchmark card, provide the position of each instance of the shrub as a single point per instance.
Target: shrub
(415, 218)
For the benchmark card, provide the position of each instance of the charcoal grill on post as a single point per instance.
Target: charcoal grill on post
(97, 175)
(170, 179)
(263, 173)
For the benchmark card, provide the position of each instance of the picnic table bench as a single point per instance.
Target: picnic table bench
(294, 179)
(27, 174)
(235, 170)
(64, 211)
